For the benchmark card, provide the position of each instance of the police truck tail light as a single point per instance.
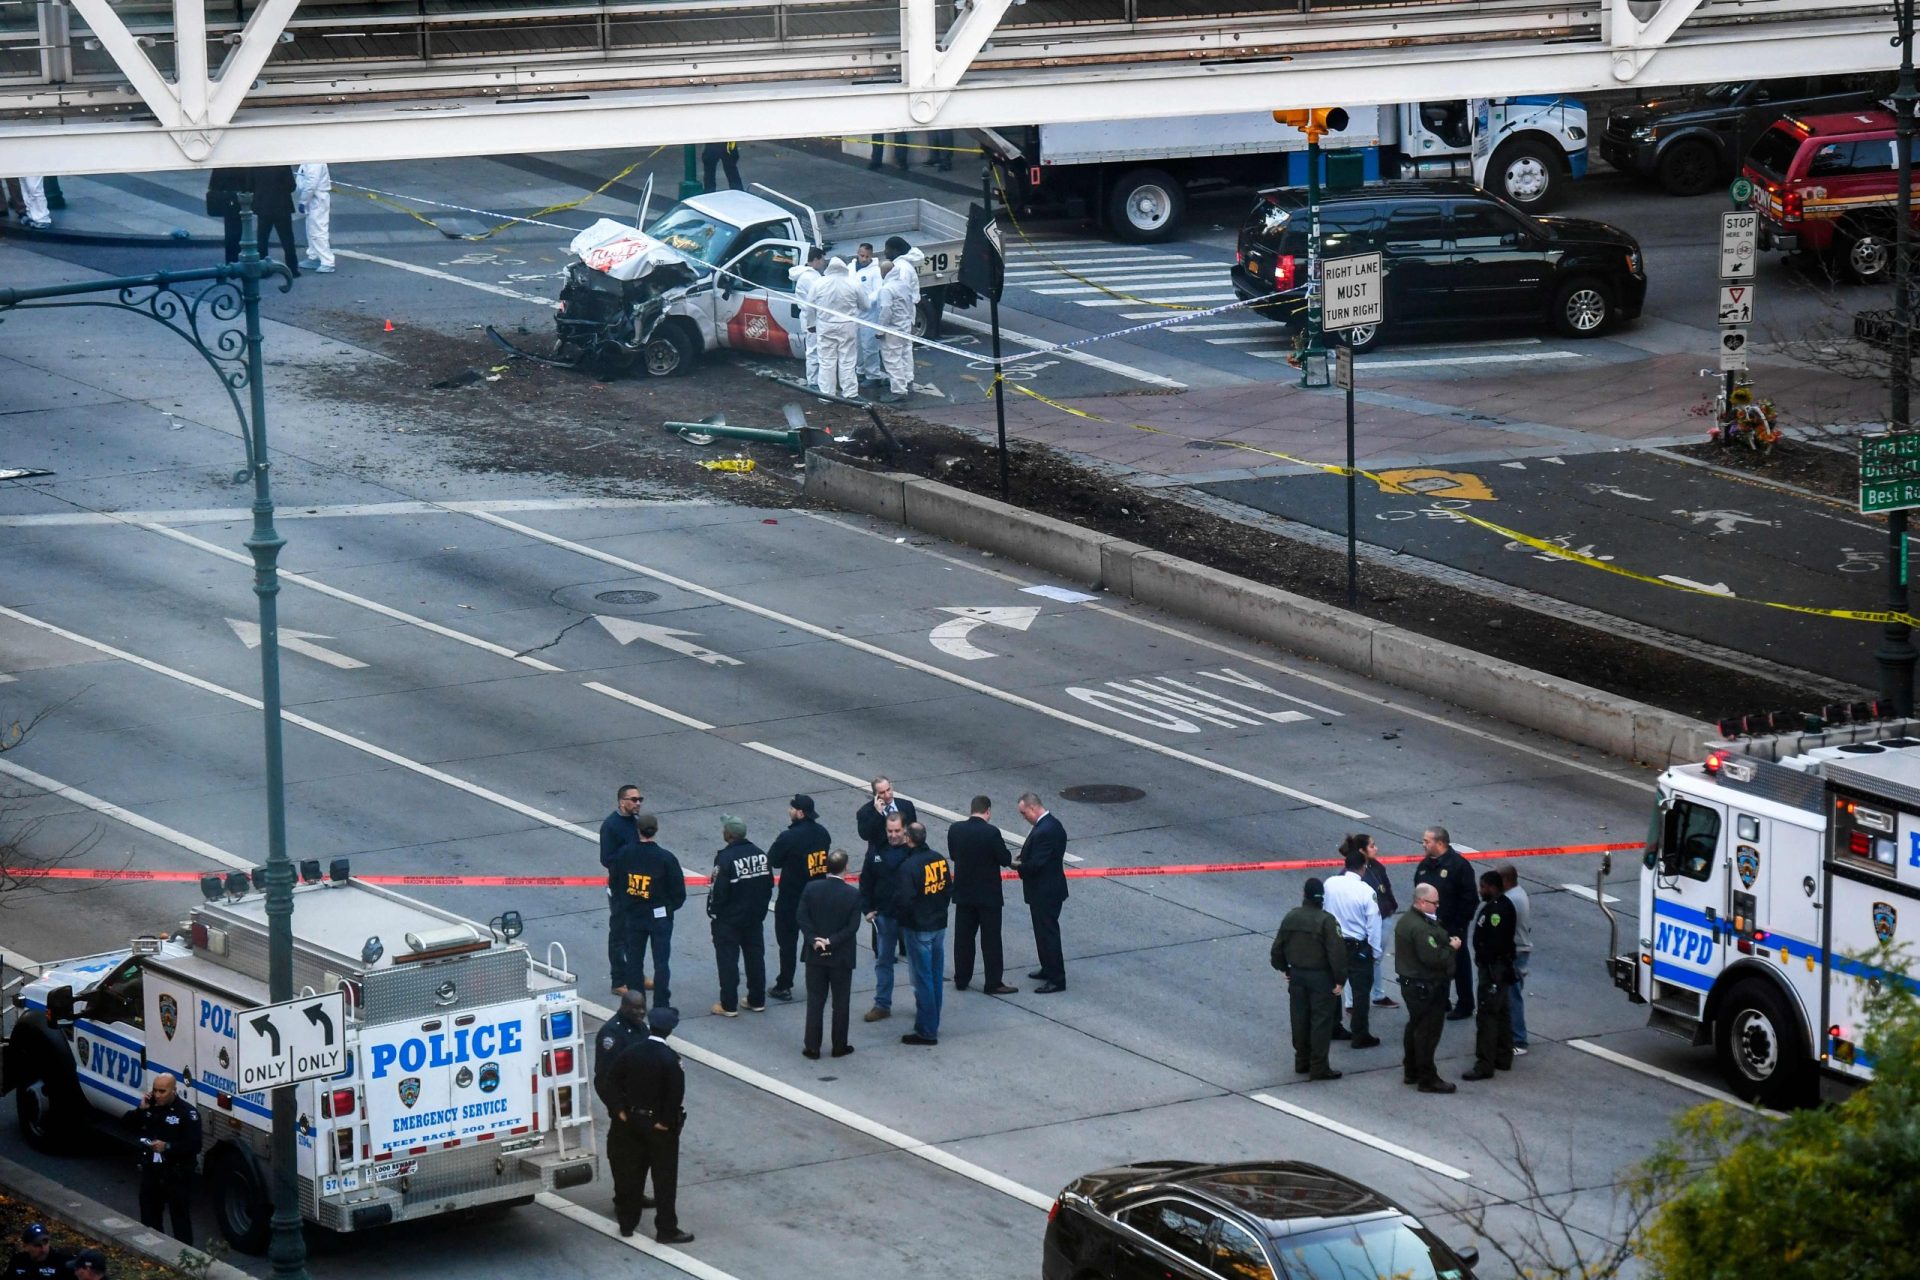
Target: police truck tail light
(344, 1146)
(1283, 271)
(560, 1025)
(1859, 844)
(563, 1062)
(344, 1103)
(224, 1101)
(199, 936)
(563, 1102)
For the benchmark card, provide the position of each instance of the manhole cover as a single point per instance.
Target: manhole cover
(627, 597)
(1103, 793)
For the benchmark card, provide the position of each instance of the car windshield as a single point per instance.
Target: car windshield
(1773, 154)
(1380, 1249)
(694, 233)
(1724, 92)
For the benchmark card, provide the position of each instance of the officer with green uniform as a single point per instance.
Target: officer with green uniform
(1309, 951)
(1423, 957)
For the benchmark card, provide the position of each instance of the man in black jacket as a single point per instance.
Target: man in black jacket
(1493, 947)
(1452, 878)
(616, 833)
(169, 1136)
(37, 1259)
(1043, 882)
(920, 895)
(877, 879)
(626, 1156)
(799, 857)
(871, 819)
(829, 920)
(978, 852)
(650, 1090)
(652, 889)
(737, 902)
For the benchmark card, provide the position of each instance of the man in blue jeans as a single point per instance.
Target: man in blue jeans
(921, 891)
(1522, 953)
(879, 877)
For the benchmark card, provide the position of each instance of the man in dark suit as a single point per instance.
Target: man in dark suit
(978, 851)
(1043, 882)
(829, 922)
(871, 820)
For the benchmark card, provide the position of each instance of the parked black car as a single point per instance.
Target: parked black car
(1452, 254)
(1692, 141)
(1284, 1221)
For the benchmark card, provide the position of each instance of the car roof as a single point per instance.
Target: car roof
(1846, 122)
(1398, 189)
(1288, 1197)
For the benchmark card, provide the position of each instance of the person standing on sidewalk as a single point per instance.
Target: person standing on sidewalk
(1423, 958)
(616, 833)
(1308, 949)
(1376, 875)
(1452, 880)
(168, 1129)
(1493, 952)
(737, 902)
(313, 191)
(922, 890)
(867, 274)
(1351, 903)
(978, 852)
(799, 856)
(1522, 953)
(830, 939)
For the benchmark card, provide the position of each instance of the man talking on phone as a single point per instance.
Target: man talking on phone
(168, 1127)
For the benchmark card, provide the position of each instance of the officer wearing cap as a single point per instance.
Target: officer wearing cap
(649, 1087)
(799, 855)
(36, 1258)
(625, 1029)
(1309, 951)
(169, 1140)
(90, 1264)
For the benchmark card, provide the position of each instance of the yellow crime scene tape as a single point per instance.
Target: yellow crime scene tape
(388, 201)
(1513, 535)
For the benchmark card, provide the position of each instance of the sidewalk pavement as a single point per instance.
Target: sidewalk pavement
(97, 1220)
(1210, 435)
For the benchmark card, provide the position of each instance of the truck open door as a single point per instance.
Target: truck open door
(754, 307)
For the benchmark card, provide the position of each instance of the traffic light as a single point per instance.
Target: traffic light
(1315, 122)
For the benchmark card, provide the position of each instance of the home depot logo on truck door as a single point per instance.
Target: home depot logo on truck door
(753, 328)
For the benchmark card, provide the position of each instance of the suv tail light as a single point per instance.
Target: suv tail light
(1239, 256)
(1792, 208)
(1283, 271)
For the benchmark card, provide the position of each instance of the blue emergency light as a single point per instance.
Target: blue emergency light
(560, 1025)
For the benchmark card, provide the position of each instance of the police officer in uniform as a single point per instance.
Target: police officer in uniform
(1423, 958)
(649, 1088)
(168, 1128)
(649, 889)
(737, 902)
(625, 1029)
(1309, 951)
(36, 1258)
(1493, 951)
(799, 855)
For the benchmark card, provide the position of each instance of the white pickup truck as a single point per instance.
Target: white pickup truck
(712, 272)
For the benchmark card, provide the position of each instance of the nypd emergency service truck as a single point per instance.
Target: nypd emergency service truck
(465, 1070)
(1774, 871)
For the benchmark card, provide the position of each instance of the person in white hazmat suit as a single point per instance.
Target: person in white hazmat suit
(867, 270)
(899, 298)
(837, 299)
(313, 193)
(806, 278)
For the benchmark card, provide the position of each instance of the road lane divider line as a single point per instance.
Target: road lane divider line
(925, 668)
(223, 515)
(603, 1225)
(1586, 891)
(665, 713)
(1364, 1138)
(448, 276)
(326, 731)
(106, 808)
(1673, 1078)
(348, 597)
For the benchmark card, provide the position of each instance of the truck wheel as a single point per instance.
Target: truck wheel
(241, 1204)
(39, 1124)
(1146, 206)
(1527, 173)
(1689, 167)
(1869, 255)
(1761, 1050)
(1582, 308)
(670, 352)
(926, 317)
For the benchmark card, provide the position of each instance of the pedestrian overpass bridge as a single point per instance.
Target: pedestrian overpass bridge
(142, 85)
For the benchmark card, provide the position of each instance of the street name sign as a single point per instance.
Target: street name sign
(279, 1044)
(1890, 473)
(1350, 292)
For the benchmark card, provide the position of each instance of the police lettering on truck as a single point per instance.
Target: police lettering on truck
(455, 1081)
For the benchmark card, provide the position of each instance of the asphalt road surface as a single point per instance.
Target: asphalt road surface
(455, 709)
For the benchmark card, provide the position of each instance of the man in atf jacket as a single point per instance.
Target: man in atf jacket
(649, 889)
(737, 902)
(799, 857)
(921, 893)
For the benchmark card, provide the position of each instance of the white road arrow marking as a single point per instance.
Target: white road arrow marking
(626, 631)
(951, 637)
(1711, 588)
(298, 641)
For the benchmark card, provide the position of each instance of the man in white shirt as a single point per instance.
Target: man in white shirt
(1351, 902)
(1522, 953)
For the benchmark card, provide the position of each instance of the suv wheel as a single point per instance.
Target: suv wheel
(1146, 206)
(1689, 167)
(1582, 308)
(1869, 255)
(1362, 337)
(1526, 173)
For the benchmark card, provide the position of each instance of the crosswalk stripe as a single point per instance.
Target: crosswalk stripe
(1245, 342)
(1123, 273)
(1114, 285)
(1148, 297)
(1267, 326)
(1038, 265)
(1168, 275)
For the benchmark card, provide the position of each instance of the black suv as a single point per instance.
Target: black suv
(1693, 140)
(1452, 254)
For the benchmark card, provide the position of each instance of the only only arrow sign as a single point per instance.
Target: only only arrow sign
(951, 637)
(318, 1016)
(298, 641)
(263, 1026)
(626, 631)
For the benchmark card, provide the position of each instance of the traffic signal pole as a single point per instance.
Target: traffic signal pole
(1313, 356)
(1896, 655)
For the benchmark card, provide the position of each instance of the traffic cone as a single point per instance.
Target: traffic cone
(389, 328)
